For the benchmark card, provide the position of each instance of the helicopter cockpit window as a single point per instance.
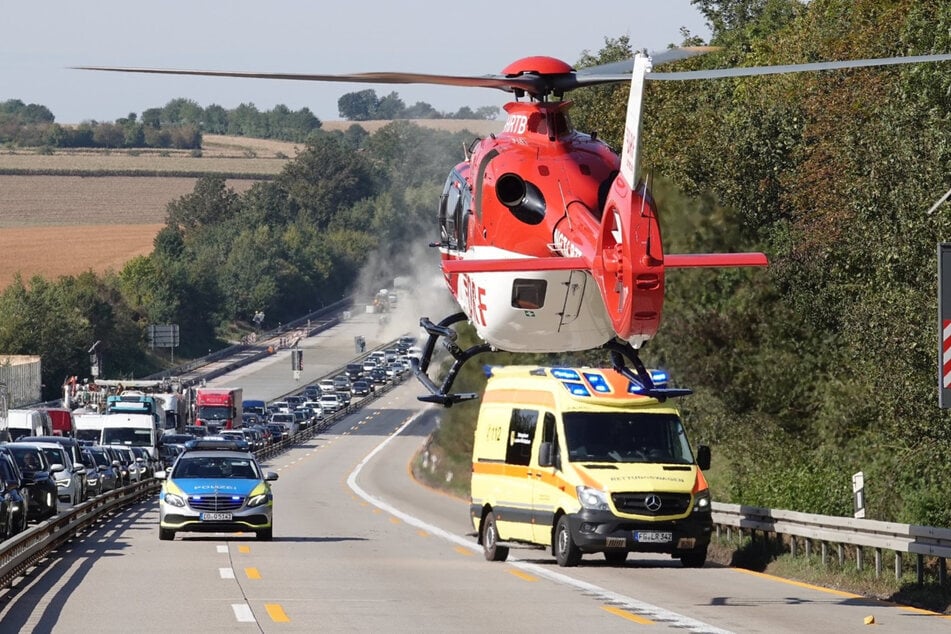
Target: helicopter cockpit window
(529, 294)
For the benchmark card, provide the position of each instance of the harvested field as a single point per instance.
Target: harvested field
(65, 225)
(55, 251)
(48, 201)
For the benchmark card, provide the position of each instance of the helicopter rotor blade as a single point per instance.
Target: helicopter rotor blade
(528, 83)
(751, 71)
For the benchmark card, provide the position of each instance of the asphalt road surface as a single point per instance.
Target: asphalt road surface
(359, 545)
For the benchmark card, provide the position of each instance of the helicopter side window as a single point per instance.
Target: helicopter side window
(451, 211)
(529, 294)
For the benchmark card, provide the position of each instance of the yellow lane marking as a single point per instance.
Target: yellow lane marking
(463, 551)
(626, 615)
(523, 575)
(395, 520)
(376, 510)
(244, 549)
(252, 573)
(422, 533)
(276, 612)
(840, 593)
(800, 584)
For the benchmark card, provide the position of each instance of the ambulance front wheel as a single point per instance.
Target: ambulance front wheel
(566, 550)
(490, 540)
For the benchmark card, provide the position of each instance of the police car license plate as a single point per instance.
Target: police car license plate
(653, 537)
(215, 517)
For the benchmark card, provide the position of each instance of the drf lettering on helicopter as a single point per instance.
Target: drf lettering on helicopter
(516, 124)
(475, 300)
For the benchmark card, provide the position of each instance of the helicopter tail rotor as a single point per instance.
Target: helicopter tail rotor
(629, 264)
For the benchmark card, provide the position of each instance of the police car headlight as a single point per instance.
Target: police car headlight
(257, 500)
(174, 500)
(260, 495)
(593, 499)
(701, 503)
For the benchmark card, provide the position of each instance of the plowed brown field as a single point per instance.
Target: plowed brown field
(66, 225)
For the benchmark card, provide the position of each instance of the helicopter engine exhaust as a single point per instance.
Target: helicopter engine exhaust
(523, 199)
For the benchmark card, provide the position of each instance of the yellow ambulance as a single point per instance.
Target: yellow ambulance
(576, 460)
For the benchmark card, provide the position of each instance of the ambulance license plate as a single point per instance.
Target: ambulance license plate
(215, 517)
(653, 537)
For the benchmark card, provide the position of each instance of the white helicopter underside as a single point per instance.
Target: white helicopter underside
(534, 311)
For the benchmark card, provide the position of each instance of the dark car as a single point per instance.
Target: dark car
(361, 388)
(39, 486)
(14, 504)
(108, 472)
(378, 376)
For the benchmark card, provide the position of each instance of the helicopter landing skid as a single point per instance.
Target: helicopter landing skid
(639, 374)
(440, 393)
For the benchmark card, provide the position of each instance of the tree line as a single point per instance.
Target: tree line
(180, 123)
(284, 247)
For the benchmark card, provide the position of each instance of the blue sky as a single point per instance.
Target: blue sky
(43, 39)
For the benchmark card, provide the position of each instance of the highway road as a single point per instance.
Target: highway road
(360, 546)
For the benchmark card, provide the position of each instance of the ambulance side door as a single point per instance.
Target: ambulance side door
(515, 501)
(546, 482)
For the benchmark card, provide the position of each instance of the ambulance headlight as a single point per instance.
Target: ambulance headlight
(701, 503)
(593, 499)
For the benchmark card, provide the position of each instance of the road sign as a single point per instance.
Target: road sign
(944, 325)
(163, 335)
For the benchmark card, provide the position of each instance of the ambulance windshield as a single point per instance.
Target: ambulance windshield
(626, 437)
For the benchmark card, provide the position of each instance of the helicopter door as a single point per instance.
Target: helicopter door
(574, 294)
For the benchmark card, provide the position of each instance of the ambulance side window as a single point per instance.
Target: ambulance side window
(550, 436)
(521, 434)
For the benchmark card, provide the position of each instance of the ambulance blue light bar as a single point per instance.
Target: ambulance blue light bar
(576, 389)
(659, 378)
(598, 382)
(565, 374)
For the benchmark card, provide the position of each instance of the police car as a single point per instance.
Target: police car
(216, 485)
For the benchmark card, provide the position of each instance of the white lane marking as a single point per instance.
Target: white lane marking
(226, 573)
(648, 610)
(242, 612)
(223, 550)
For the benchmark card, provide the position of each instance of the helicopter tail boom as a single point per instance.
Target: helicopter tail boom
(515, 264)
(713, 260)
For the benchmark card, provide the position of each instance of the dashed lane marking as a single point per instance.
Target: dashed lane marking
(626, 615)
(276, 612)
(252, 573)
(226, 573)
(242, 612)
(523, 575)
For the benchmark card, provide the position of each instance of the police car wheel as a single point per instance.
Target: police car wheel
(567, 552)
(266, 534)
(490, 540)
(165, 534)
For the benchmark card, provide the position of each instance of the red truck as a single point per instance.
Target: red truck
(218, 407)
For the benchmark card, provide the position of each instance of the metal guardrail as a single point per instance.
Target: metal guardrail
(24, 550)
(920, 541)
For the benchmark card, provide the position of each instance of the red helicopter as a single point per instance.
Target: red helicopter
(549, 241)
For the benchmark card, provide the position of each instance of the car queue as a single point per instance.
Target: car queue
(41, 474)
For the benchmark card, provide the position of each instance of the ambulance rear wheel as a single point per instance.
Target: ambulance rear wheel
(490, 540)
(567, 552)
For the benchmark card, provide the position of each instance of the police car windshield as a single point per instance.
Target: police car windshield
(626, 437)
(216, 467)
